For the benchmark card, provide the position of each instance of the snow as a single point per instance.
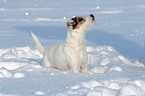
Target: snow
(115, 47)
(18, 75)
(39, 93)
(102, 79)
(111, 12)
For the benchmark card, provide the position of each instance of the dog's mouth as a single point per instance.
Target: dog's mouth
(76, 22)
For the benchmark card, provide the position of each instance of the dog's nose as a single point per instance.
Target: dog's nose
(91, 15)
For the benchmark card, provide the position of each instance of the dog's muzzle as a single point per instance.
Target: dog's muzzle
(75, 22)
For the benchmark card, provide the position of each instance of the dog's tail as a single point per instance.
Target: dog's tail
(38, 44)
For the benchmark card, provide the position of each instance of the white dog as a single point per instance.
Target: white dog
(70, 55)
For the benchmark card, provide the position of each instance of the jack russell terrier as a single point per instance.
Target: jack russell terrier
(70, 55)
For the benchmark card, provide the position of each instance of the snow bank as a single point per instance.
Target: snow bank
(99, 59)
(17, 58)
(105, 88)
(16, 62)
(106, 59)
(105, 55)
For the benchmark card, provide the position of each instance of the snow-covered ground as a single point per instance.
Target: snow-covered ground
(115, 47)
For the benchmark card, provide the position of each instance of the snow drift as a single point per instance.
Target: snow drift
(18, 63)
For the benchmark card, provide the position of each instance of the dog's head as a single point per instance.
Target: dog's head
(82, 23)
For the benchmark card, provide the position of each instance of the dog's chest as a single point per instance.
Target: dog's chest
(80, 53)
(81, 56)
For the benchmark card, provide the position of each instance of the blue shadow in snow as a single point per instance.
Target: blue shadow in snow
(125, 47)
(46, 32)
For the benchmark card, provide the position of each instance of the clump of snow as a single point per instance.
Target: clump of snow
(26, 13)
(19, 53)
(39, 93)
(92, 84)
(64, 18)
(102, 92)
(5, 73)
(115, 68)
(17, 58)
(97, 69)
(114, 85)
(139, 83)
(18, 75)
(107, 55)
(75, 87)
(92, 88)
(126, 61)
(131, 90)
(11, 65)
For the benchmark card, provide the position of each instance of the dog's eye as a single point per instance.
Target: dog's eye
(81, 19)
(74, 19)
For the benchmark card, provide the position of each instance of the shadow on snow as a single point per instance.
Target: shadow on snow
(125, 47)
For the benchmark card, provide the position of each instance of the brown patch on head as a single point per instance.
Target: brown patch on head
(75, 22)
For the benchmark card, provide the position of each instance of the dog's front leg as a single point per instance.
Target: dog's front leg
(84, 67)
(74, 65)
(75, 68)
(75, 71)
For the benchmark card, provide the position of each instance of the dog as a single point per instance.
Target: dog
(70, 55)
